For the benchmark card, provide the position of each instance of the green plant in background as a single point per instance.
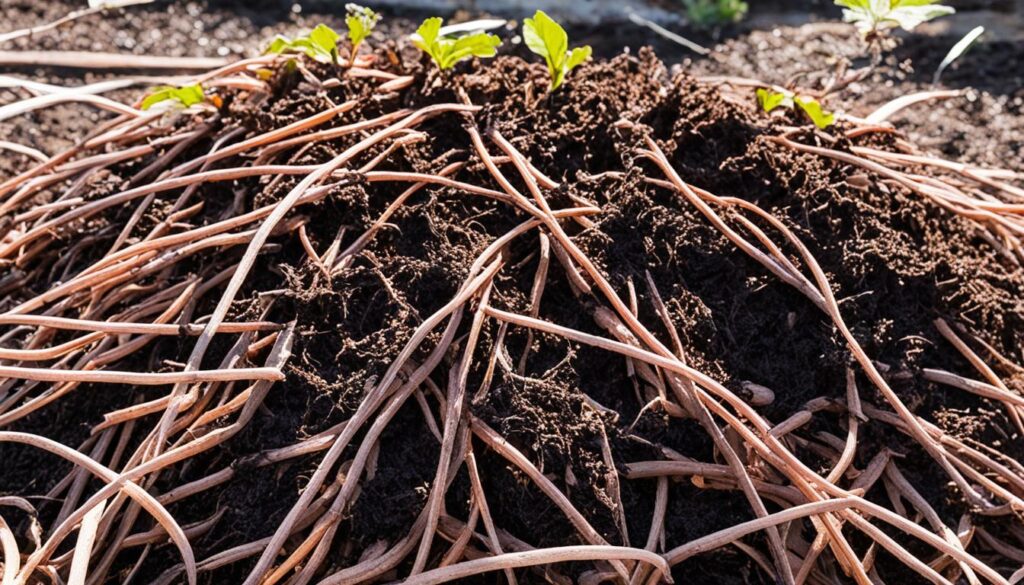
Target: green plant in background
(873, 16)
(360, 21)
(182, 97)
(320, 44)
(770, 99)
(447, 50)
(548, 39)
(875, 19)
(710, 13)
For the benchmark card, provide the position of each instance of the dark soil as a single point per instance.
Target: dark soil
(985, 127)
(895, 261)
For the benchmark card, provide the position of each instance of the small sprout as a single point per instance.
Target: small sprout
(958, 49)
(770, 99)
(872, 16)
(446, 50)
(815, 112)
(548, 39)
(360, 21)
(710, 13)
(182, 97)
(320, 44)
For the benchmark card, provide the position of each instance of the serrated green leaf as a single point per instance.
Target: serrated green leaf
(814, 111)
(184, 97)
(547, 38)
(447, 51)
(360, 22)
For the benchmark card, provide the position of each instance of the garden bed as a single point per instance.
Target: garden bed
(735, 247)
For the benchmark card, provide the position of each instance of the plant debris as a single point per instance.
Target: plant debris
(403, 328)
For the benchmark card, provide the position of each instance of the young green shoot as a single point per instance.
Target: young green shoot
(770, 99)
(874, 16)
(958, 49)
(182, 97)
(447, 50)
(360, 21)
(321, 44)
(711, 13)
(815, 112)
(548, 39)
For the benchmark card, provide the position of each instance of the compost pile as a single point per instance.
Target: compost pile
(379, 322)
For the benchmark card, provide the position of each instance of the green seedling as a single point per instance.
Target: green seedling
(958, 49)
(710, 13)
(815, 112)
(181, 97)
(770, 99)
(873, 16)
(321, 44)
(548, 39)
(447, 50)
(360, 21)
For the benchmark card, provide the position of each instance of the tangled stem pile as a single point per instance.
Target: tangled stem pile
(371, 322)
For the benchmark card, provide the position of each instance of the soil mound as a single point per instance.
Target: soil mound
(419, 351)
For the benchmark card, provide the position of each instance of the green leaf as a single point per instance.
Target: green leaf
(910, 16)
(321, 44)
(548, 39)
(184, 97)
(713, 13)
(157, 96)
(360, 22)
(278, 45)
(579, 55)
(428, 32)
(814, 111)
(448, 50)
(545, 37)
(769, 99)
(324, 38)
(478, 45)
(875, 15)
